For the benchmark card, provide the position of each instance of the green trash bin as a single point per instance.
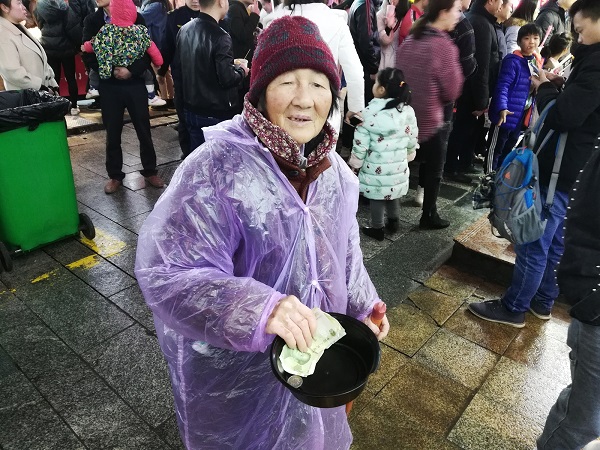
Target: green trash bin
(37, 191)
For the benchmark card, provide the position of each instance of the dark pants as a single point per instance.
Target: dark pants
(466, 130)
(195, 123)
(182, 131)
(432, 154)
(500, 142)
(68, 67)
(134, 97)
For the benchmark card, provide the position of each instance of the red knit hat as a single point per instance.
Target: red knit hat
(122, 13)
(289, 43)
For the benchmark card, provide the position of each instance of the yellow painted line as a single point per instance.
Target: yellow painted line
(104, 244)
(85, 263)
(44, 276)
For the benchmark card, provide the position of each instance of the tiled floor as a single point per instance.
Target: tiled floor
(451, 380)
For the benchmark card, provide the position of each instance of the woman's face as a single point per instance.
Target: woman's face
(450, 17)
(16, 13)
(299, 101)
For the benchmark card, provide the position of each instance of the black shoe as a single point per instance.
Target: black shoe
(432, 221)
(540, 311)
(375, 233)
(458, 177)
(495, 311)
(170, 103)
(392, 225)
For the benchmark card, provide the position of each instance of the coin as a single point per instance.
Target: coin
(295, 381)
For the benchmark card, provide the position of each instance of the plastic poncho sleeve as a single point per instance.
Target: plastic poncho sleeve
(185, 266)
(357, 279)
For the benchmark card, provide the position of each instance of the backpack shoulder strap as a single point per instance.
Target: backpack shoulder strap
(560, 150)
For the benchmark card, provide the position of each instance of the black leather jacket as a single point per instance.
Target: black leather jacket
(209, 80)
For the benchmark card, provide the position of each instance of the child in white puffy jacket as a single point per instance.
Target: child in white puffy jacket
(384, 143)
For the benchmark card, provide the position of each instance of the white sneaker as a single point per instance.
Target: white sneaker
(419, 196)
(156, 101)
(74, 111)
(92, 93)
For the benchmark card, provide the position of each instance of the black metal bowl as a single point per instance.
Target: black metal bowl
(342, 372)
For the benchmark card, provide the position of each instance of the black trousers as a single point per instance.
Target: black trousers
(431, 155)
(116, 96)
(466, 131)
(68, 66)
(182, 130)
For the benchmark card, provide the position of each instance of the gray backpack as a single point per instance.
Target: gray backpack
(516, 206)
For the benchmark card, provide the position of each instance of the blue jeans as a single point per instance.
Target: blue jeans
(194, 124)
(574, 420)
(533, 276)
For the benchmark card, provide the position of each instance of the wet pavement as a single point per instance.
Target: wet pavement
(80, 367)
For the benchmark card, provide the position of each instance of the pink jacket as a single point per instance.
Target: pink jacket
(432, 69)
(124, 14)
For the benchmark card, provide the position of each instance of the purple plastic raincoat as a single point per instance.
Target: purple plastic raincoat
(227, 240)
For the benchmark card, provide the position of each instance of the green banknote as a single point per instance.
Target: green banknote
(328, 332)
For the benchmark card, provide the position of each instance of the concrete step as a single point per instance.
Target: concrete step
(479, 252)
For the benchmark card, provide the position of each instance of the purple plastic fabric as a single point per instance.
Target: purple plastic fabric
(226, 241)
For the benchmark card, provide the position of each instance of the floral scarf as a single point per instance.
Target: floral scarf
(281, 144)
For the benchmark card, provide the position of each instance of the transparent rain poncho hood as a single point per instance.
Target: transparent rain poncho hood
(226, 241)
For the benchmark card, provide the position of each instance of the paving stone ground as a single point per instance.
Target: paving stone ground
(80, 367)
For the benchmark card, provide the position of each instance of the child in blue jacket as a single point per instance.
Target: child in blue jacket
(512, 102)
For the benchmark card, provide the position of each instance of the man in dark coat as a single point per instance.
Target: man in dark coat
(363, 28)
(477, 90)
(209, 78)
(124, 89)
(242, 20)
(577, 111)
(575, 418)
(554, 16)
(175, 20)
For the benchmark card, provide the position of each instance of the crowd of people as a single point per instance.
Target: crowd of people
(259, 223)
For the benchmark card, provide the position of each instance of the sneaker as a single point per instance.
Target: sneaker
(112, 186)
(92, 93)
(74, 111)
(375, 233)
(155, 181)
(156, 101)
(540, 311)
(419, 197)
(495, 311)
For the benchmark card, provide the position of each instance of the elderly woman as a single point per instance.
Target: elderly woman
(256, 228)
(333, 27)
(23, 62)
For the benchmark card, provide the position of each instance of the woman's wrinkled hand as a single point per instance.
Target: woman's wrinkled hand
(380, 331)
(294, 322)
